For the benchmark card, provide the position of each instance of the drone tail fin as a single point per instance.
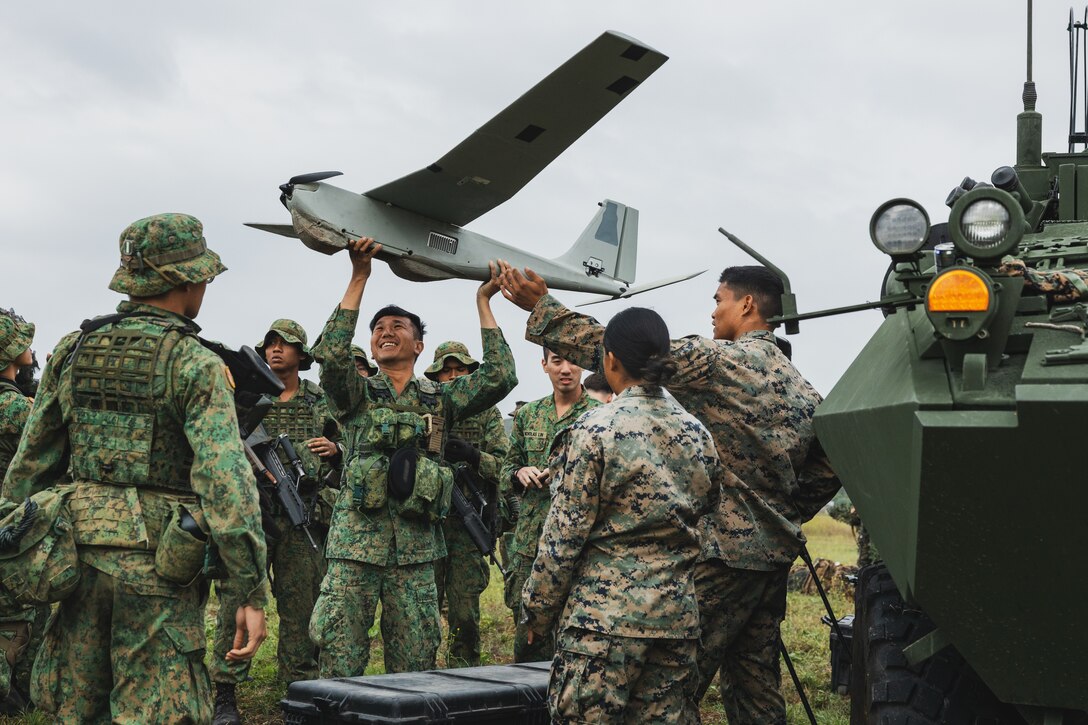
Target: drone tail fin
(609, 245)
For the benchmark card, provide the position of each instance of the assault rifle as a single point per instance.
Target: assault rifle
(255, 391)
(481, 533)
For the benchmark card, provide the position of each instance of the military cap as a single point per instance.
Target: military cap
(293, 334)
(16, 334)
(358, 353)
(161, 252)
(454, 349)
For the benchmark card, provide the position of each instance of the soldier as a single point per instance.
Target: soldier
(20, 631)
(141, 416)
(615, 568)
(597, 388)
(525, 472)
(759, 409)
(385, 535)
(362, 363)
(479, 442)
(297, 566)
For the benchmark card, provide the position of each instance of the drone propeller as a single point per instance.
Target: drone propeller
(310, 178)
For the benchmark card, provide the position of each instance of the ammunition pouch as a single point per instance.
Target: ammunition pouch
(429, 499)
(38, 559)
(182, 551)
(365, 476)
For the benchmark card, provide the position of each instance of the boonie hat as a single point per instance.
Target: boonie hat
(358, 353)
(16, 334)
(454, 349)
(161, 252)
(293, 334)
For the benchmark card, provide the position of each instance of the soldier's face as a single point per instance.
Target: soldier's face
(26, 358)
(394, 340)
(451, 368)
(729, 310)
(281, 355)
(361, 368)
(566, 377)
(194, 299)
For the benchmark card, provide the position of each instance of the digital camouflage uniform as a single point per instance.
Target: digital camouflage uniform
(463, 575)
(535, 427)
(297, 567)
(615, 573)
(382, 553)
(1060, 285)
(759, 410)
(20, 631)
(142, 417)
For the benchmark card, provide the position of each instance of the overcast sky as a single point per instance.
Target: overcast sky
(788, 123)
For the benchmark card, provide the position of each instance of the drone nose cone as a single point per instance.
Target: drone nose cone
(287, 188)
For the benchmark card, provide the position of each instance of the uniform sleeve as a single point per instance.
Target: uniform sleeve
(570, 521)
(697, 359)
(344, 387)
(221, 476)
(817, 483)
(42, 456)
(494, 446)
(571, 335)
(469, 395)
(516, 457)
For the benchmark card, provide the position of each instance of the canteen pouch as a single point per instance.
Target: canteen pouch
(430, 496)
(38, 560)
(366, 479)
(182, 549)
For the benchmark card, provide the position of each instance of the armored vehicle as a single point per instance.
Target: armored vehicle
(957, 433)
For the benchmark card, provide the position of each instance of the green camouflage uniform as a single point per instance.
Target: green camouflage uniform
(382, 554)
(464, 574)
(535, 426)
(142, 417)
(297, 568)
(759, 410)
(615, 569)
(21, 633)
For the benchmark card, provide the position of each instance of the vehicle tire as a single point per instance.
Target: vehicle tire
(885, 690)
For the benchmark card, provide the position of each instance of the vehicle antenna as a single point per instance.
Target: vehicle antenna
(1078, 56)
(1029, 124)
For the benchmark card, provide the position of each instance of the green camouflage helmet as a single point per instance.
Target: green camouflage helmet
(16, 334)
(161, 252)
(358, 353)
(454, 349)
(293, 334)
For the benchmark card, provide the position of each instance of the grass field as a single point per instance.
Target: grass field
(805, 636)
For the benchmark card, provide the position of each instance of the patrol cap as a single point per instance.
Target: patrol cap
(293, 334)
(16, 334)
(161, 252)
(358, 353)
(454, 349)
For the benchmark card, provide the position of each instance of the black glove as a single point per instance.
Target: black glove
(459, 450)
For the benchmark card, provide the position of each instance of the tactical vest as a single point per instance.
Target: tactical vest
(295, 417)
(390, 425)
(115, 404)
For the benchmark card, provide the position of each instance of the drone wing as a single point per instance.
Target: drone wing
(503, 155)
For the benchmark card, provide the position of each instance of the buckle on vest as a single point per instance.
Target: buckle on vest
(428, 418)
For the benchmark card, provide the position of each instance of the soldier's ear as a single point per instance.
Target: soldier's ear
(418, 345)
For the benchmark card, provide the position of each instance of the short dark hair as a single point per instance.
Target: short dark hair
(639, 339)
(598, 383)
(395, 311)
(547, 352)
(764, 285)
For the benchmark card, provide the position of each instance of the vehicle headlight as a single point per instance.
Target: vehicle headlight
(899, 227)
(986, 224)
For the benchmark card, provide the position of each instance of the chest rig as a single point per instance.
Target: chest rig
(115, 404)
(296, 417)
(391, 425)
